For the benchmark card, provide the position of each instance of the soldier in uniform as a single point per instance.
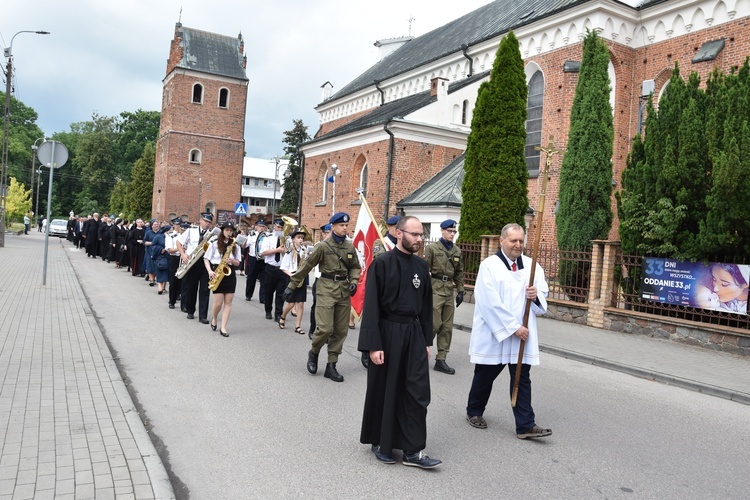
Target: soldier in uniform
(339, 276)
(447, 270)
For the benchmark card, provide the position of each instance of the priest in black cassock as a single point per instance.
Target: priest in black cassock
(397, 333)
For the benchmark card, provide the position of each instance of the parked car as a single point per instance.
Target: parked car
(58, 227)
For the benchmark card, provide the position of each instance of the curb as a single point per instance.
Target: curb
(711, 390)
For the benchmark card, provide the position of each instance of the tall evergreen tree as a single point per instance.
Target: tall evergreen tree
(495, 188)
(290, 200)
(585, 212)
(141, 188)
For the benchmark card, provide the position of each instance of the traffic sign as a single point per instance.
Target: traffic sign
(240, 208)
(52, 154)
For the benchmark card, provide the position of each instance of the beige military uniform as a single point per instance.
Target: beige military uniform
(339, 266)
(447, 273)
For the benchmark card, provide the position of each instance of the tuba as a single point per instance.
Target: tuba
(289, 225)
(196, 254)
(223, 269)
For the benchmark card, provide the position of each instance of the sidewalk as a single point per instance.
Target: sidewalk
(716, 373)
(68, 427)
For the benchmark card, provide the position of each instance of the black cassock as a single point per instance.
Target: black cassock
(397, 319)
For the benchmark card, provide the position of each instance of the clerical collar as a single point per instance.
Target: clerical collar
(337, 238)
(392, 238)
(447, 244)
(507, 260)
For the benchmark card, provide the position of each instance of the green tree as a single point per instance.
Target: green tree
(67, 182)
(585, 212)
(23, 131)
(17, 201)
(134, 130)
(117, 200)
(138, 199)
(293, 139)
(96, 159)
(495, 188)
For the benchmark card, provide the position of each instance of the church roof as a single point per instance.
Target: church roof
(211, 53)
(397, 109)
(442, 190)
(482, 24)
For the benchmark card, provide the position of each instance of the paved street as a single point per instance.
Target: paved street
(241, 417)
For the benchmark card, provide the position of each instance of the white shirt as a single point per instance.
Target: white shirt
(252, 238)
(289, 263)
(500, 300)
(170, 243)
(269, 243)
(214, 256)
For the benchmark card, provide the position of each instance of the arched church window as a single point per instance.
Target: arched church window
(534, 111)
(197, 93)
(363, 180)
(224, 98)
(195, 156)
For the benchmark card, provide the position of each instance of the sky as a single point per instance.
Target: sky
(106, 57)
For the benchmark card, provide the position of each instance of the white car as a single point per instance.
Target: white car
(58, 227)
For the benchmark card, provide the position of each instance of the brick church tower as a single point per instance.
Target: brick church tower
(201, 144)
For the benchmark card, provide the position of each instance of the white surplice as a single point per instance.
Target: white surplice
(500, 299)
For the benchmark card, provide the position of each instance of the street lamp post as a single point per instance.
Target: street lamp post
(38, 184)
(6, 132)
(275, 181)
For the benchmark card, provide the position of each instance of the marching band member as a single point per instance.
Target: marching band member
(224, 294)
(289, 265)
(170, 240)
(196, 280)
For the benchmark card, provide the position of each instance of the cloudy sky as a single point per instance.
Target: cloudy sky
(106, 57)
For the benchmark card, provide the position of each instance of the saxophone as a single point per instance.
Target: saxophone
(223, 269)
(196, 254)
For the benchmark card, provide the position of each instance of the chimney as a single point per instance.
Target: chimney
(439, 87)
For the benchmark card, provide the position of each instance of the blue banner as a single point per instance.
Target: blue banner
(714, 286)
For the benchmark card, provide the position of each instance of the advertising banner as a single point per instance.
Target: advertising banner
(714, 286)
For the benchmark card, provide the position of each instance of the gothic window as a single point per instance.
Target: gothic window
(198, 93)
(195, 156)
(465, 112)
(534, 110)
(363, 180)
(324, 180)
(224, 98)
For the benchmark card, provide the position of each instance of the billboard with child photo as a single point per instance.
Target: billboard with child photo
(715, 286)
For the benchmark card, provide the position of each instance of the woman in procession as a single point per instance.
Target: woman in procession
(160, 259)
(224, 294)
(289, 265)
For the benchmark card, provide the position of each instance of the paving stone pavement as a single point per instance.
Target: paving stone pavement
(68, 426)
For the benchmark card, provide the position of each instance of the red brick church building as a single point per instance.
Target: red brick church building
(201, 144)
(392, 129)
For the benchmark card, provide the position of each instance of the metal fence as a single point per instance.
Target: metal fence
(567, 272)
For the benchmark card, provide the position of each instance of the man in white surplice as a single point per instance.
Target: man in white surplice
(500, 294)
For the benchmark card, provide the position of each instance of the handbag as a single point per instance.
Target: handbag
(162, 263)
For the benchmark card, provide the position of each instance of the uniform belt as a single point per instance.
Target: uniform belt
(335, 277)
(397, 318)
(442, 278)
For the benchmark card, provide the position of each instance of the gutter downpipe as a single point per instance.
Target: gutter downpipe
(382, 93)
(464, 49)
(391, 148)
(301, 183)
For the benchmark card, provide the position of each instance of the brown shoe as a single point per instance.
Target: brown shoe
(534, 432)
(477, 421)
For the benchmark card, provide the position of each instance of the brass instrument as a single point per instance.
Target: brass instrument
(289, 224)
(222, 269)
(196, 254)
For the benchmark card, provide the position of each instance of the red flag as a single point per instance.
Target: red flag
(365, 235)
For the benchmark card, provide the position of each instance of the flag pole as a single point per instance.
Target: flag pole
(380, 236)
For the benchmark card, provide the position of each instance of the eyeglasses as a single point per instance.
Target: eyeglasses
(452, 231)
(415, 235)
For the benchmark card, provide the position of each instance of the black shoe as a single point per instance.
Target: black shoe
(421, 460)
(268, 316)
(366, 360)
(312, 362)
(203, 320)
(332, 373)
(182, 309)
(171, 306)
(190, 316)
(386, 459)
(442, 366)
(248, 299)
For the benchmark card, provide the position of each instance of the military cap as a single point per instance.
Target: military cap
(207, 216)
(176, 220)
(260, 223)
(393, 220)
(185, 225)
(279, 222)
(448, 223)
(227, 224)
(326, 228)
(339, 217)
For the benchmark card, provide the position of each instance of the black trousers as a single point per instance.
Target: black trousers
(256, 270)
(175, 284)
(313, 324)
(276, 282)
(196, 286)
(481, 387)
